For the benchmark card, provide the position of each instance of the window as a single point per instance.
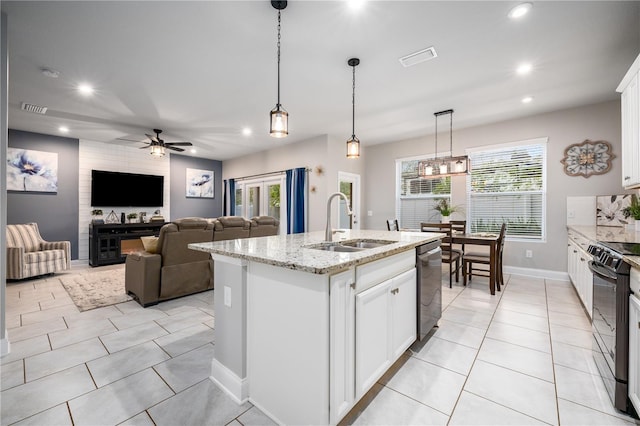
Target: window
(417, 196)
(508, 184)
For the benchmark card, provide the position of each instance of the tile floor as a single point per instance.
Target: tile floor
(520, 357)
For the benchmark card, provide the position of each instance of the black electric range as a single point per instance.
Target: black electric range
(622, 248)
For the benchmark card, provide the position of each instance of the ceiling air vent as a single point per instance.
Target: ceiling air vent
(34, 108)
(417, 57)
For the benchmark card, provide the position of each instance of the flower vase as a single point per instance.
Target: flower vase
(445, 219)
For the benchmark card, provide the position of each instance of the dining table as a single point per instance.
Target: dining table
(481, 239)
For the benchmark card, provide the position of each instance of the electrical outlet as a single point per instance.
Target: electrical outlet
(571, 214)
(528, 254)
(227, 296)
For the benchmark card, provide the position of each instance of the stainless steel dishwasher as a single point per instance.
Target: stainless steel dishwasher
(429, 275)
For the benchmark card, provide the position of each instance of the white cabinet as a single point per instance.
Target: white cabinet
(634, 351)
(630, 105)
(342, 344)
(385, 327)
(579, 272)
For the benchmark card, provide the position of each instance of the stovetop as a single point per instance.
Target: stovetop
(623, 248)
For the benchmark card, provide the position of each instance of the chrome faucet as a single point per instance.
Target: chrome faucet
(328, 236)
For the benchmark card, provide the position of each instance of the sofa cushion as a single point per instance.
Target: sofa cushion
(150, 244)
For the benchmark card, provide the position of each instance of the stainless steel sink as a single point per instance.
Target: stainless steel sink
(350, 245)
(366, 244)
(337, 247)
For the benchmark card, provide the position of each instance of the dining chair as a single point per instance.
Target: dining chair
(458, 227)
(392, 225)
(481, 258)
(449, 255)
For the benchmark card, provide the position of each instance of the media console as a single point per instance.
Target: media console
(110, 243)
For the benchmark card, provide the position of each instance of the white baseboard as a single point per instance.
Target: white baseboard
(236, 387)
(537, 273)
(5, 346)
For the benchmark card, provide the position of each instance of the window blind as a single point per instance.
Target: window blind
(417, 196)
(507, 184)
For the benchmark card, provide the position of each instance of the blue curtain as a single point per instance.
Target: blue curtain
(296, 184)
(232, 198)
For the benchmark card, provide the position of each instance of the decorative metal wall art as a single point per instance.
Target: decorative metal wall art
(588, 158)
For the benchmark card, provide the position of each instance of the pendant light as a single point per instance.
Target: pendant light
(279, 127)
(353, 144)
(446, 166)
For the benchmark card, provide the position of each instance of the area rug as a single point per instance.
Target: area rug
(96, 289)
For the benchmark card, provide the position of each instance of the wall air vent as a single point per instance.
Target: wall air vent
(417, 57)
(33, 108)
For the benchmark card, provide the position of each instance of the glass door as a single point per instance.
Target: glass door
(264, 197)
(349, 185)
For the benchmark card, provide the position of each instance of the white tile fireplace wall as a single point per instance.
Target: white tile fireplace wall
(117, 158)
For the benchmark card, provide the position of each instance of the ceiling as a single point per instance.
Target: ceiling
(202, 71)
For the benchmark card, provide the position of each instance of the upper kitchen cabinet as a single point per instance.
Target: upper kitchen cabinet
(630, 101)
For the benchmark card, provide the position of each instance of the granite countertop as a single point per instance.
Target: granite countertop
(611, 234)
(292, 252)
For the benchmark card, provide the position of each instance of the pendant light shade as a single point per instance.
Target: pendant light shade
(157, 150)
(279, 122)
(445, 166)
(353, 144)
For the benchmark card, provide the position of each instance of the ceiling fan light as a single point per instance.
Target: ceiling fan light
(353, 147)
(279, 122)
(157, 151)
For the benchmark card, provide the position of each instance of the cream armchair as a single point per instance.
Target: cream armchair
(29, 255)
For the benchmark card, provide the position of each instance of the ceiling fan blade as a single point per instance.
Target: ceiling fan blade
(174, 148)
(129, 140)
(144, 147)
(152, 138)
(178, 143)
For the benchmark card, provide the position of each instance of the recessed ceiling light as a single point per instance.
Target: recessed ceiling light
(520, 10)
(524, 69)
(193, 150)
(356, 4)
(246, 131)
(85, 89)
(527, 99)
(63, 129)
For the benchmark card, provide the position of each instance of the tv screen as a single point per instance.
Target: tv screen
(114, 189)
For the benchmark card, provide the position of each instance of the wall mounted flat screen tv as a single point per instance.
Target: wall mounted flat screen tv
(114, 189)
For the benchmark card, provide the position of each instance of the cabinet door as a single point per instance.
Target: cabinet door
(630, 102)
(342, 344)
(571, 262)
(634, 352)
(373, 335)
(404, 309)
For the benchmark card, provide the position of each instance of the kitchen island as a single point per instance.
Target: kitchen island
(302, 331)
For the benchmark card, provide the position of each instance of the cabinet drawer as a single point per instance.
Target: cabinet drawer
(373, 273)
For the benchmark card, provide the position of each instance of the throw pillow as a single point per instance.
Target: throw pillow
(150, 244)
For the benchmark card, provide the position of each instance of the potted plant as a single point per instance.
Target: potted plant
(633, 211)
(97, 215)
(132, 216)
(445, 209)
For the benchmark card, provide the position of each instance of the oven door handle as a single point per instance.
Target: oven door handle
(602, 271)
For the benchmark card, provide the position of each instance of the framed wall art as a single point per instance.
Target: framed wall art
(609, 210)
(200, 183)
(588, 158)
(32, 171)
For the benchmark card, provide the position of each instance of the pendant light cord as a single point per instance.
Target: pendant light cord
(451, 134)
(353, 105)
(279, 59)
(436, 156)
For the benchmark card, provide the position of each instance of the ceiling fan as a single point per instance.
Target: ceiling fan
(158, 145)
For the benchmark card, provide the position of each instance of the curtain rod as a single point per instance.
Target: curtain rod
(279, 172)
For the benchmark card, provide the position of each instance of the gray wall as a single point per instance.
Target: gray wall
(4, 81)
(55, 213)
(595, 122)
(181, 206)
